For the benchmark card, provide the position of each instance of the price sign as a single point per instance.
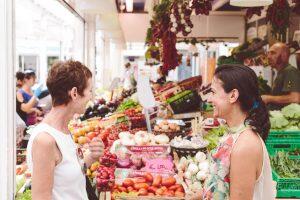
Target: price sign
(159, 165)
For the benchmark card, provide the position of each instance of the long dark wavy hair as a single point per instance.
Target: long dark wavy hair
(245, 81)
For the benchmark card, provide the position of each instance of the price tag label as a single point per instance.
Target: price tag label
(159, 165)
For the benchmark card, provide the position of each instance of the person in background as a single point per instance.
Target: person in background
(286, 88)
(20, 80)
(23, 107)
(128, 77)
(235, 98)
(58, 170)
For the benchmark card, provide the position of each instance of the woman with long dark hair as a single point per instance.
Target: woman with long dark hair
(239, 166)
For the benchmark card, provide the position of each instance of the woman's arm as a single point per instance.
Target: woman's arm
(245, 164)
(44, 161)
(29, 106)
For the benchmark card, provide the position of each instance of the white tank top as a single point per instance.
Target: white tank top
(265, 187)
(69, 180)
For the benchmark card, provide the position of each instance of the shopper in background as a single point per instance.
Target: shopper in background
(20, 80)
(58, 171)
(239, 166)
(129, 79)
(24, 107)
(286, 87)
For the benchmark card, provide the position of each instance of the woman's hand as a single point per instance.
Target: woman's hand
(96, 148)
(194, 195)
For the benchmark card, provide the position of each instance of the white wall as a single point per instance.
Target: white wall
(7, 102)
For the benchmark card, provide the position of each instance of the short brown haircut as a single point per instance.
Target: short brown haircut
(63, 76)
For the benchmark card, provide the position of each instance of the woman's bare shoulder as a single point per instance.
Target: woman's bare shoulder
(248, 145)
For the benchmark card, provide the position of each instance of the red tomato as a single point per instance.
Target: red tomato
(148, 177)
(157, 181)
(168, 181)
(138, 186)
(152, 189)
(169, 193)
(128, 182)
(140, 180)
(179, 194)
(143, 192)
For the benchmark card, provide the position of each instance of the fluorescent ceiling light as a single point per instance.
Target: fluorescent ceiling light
(250, 3)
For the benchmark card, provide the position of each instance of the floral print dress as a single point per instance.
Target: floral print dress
(217, 183)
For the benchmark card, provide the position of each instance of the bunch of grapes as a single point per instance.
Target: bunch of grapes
(180, 18)
(202, 7)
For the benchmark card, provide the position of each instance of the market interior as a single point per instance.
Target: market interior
(153, 63)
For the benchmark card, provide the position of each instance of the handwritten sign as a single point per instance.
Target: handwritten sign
(159, 165)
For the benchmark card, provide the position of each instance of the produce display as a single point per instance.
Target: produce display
(105, 178)
(99, 108)
(169, 163)
(83, 132)
(142, 138)
(286, 119)
(193, 170)
(165, 126)
(213, 136)
(130, 103)
(195, 142)
(284, 166)
(149, 185)
(135, 117)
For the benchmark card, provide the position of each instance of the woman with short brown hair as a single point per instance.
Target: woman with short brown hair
(57, 169)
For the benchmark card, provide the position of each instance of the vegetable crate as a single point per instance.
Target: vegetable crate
(186, 101)
(293, 135)
(287, 145)
(287, 187)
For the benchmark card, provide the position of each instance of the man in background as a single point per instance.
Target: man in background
(286, 86)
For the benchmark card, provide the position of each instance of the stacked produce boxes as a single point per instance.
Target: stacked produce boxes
(283, 145)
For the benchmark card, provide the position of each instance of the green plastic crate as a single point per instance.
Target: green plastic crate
(287, 187)
(283, 145)
(293, 135)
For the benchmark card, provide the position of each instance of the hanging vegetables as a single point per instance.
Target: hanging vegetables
(170, 18)
(201, 7)
(278, 16)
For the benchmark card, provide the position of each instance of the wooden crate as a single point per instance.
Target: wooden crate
(166, 94)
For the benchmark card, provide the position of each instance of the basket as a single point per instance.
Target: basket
(287, 187)
(184, 152)
(286, 145)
